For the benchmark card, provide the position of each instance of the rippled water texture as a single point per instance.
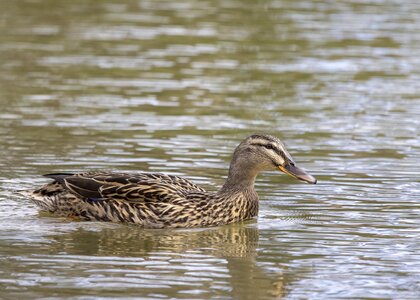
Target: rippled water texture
(173, 86)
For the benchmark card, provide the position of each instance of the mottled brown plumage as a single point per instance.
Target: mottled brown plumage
(157, 200)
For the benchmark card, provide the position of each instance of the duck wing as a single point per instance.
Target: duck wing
(135, 187)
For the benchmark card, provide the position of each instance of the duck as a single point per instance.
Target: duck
(158, 200)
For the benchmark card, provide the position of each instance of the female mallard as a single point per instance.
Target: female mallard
(157, 200)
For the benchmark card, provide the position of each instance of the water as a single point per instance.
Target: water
(173, 87)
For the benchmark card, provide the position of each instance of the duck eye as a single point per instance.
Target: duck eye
(269, 146)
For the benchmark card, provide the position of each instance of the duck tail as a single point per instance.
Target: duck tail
(44, 197)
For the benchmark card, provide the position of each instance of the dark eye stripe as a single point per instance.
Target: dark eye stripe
(259, 144)
(267, 146)
(272, 147)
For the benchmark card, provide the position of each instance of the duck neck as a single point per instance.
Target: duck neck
(240, 178)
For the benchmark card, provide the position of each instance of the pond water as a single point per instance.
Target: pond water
(174, 86)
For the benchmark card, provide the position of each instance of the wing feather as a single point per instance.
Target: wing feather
(131, 187)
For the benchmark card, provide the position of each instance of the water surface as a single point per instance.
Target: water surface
(173, 87)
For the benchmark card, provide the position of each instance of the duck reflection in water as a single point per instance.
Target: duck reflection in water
(185, 253)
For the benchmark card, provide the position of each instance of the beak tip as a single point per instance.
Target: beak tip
(310, 179)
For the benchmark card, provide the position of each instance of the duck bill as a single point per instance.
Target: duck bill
(297, 172)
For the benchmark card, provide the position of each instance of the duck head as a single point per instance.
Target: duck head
(259, 153)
